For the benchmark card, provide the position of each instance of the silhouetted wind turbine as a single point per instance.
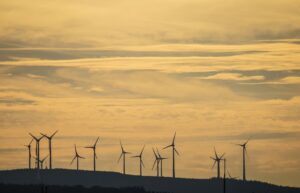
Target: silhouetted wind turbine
(77, 156)
(244, 158)
(217, 160)
(123, 154)
(156, 161)
(42, 161)
(231, 176)
(94, 152)
(173, 153)
(37, 148)
(140, 156)
(29, 153)
(50, 147)
(161, 162)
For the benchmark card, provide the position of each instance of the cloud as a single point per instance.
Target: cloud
(149, 22)
(68, 54)
(232, 76)
(16, 101)
(290, 80)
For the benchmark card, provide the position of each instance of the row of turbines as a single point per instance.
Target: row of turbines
(158, 161)
(217, 161)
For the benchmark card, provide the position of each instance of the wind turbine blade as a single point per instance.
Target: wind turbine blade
(121, 146)
(142, 163)
(154, 163)
(214, 164)
(173, 142)
(96, 142)
(238, 144)
(222, 155)
(135, 156)
(229, 174)
(30, 142)
(76, 150)
(91, 147)
(41, 137)
(176, 151)
(44, 135)
(44, 158)
(81, 157)
(154, 153)
(142, 150)
(158, 153)
(120, 157)
(168, 146)
(216, 153)
(54, 134)
(33, 136)
(73, 160)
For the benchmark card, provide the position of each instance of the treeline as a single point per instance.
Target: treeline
(13, 188)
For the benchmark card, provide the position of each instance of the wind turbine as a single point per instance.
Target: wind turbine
(161, 162)
(244, 158)
(217, 160)
(42, 161)
(123, 154)
(140, 156)
(50, 147)
(77, 156)
(156, 161)
(173, 153)
(234, 178)
(37, 148)
(29, 153)
(94, 154)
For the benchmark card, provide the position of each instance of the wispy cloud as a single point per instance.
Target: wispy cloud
(232, 76)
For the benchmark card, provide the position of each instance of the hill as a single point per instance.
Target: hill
(65, 177)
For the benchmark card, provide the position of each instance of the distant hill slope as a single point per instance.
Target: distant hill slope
(156, 184)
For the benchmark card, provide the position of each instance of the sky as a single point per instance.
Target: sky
(216, 72)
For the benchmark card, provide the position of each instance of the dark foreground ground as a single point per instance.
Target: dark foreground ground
(13, 188)
(88, 181)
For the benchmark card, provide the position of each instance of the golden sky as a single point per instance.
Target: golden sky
(217, 72)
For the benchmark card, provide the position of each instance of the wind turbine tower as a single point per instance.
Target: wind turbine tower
(42, 162)
(77, 157)
(140, 156)
(161, 162)
(29, 153)
(217, 160)
(50, 147)
(173, 154)
(37, 148)
(244, 147)
(123, 154)
(94, 152)
(156, 161)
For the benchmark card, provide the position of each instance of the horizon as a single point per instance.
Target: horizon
(215, 72)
